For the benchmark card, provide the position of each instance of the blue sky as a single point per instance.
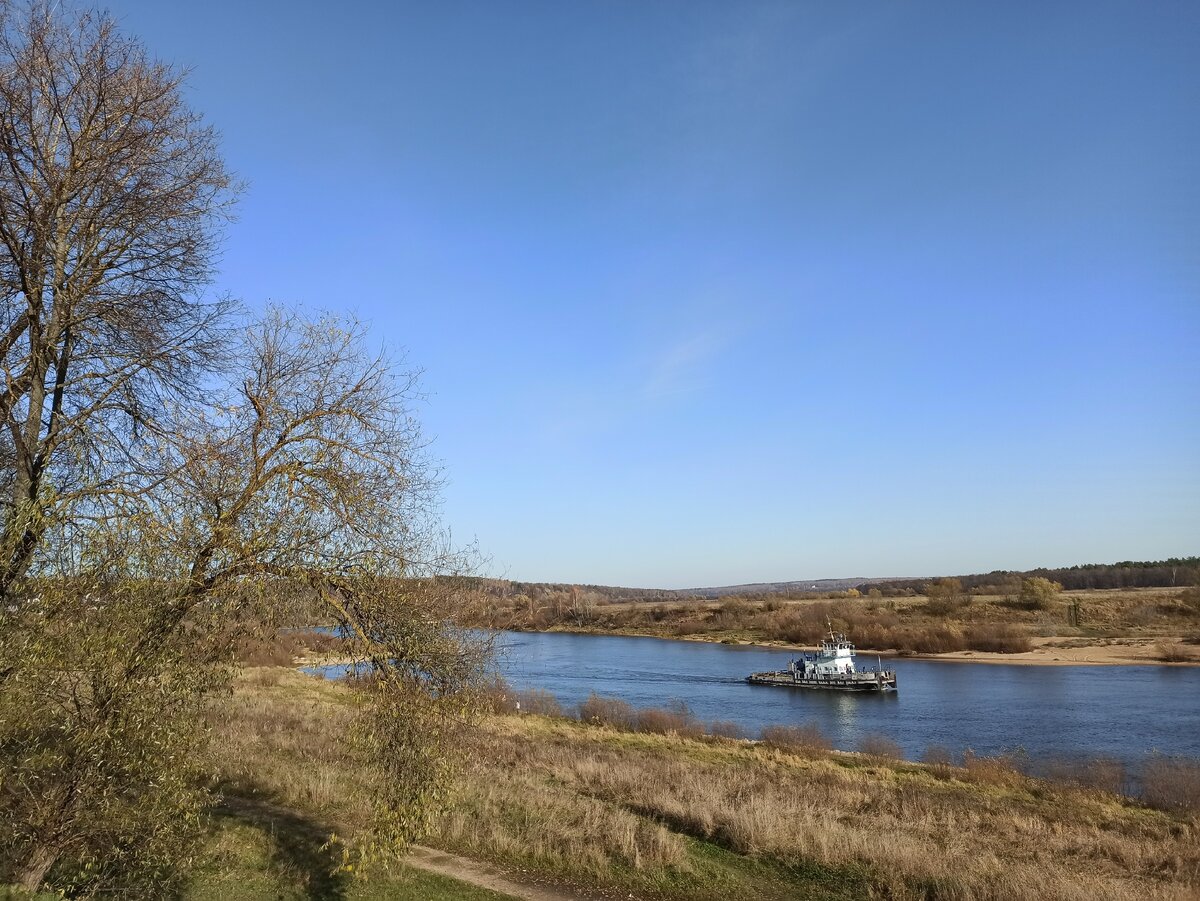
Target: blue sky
(709, 293)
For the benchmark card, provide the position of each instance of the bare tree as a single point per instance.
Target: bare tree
(143, 521)
(306, 475)
(112, 192)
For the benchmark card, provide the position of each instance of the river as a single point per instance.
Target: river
(1125, 712)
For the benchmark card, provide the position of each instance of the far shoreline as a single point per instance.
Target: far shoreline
(1115, 652)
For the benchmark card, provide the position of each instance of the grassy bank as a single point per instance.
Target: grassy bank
(666, 816)
(1119, 626)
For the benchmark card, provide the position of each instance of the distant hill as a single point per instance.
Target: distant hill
(1172, 572)
(799, 586)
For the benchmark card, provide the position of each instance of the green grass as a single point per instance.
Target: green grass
(719, 873)
(284, 860)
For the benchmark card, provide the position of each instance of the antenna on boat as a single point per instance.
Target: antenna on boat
(830, 627)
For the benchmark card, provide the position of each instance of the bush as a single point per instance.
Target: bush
(934, 640)
(808, 737)
(539, 702)
(998, 638)
(498, 696)
(1099, 773)
(944, 596)
(940, 761)
(1170, 783)
(601, 711)
(998, 770)
(943, 606)
(1037, 593)
(726, 729)
(1174, 652)
(669, 722)
(880, 746)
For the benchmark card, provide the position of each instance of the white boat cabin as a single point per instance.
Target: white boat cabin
(835, 658)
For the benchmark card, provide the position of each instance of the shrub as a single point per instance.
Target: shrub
(998, 770)
(1100, 773)
(933, 640)
(945, 596)
(668, 722)
(1037, 593)
(733, 609)
(689, 627)
(498, 696)
(880, 746)
(944, 606)
(808, 737)
(940, 761)
(1174, 652)
(726, 729)
(601, 711)
(1170, 783)
(998, 638)
(538, 701)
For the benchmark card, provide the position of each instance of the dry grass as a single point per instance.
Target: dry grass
(906, 625)
(806, 738)
(991, 834)
(631, 812)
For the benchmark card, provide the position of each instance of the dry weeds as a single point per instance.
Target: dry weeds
(588, 803)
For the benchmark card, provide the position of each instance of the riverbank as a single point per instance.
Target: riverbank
(1086, 628)
(560, 803)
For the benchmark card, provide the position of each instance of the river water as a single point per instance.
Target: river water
(1125, 712)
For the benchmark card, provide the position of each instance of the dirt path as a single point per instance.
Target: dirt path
(485, 876)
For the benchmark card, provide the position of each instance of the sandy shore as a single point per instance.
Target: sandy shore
(1050, 652)
(1046, 652)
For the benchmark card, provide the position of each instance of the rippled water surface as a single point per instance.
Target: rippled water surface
(1120, 711)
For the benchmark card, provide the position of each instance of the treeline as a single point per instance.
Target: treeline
(1169, 573)
(541, 591)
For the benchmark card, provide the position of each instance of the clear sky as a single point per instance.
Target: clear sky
(723, 292)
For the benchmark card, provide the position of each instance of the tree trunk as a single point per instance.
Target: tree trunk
(33, 874)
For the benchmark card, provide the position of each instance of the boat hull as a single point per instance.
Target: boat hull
(854, 682)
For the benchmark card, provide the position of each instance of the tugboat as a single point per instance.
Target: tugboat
(831, 668)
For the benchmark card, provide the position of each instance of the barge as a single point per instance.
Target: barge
(831, 668)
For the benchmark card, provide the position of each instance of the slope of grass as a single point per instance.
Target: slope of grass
(662, 816)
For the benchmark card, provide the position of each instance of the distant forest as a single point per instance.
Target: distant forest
(1172, 572)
